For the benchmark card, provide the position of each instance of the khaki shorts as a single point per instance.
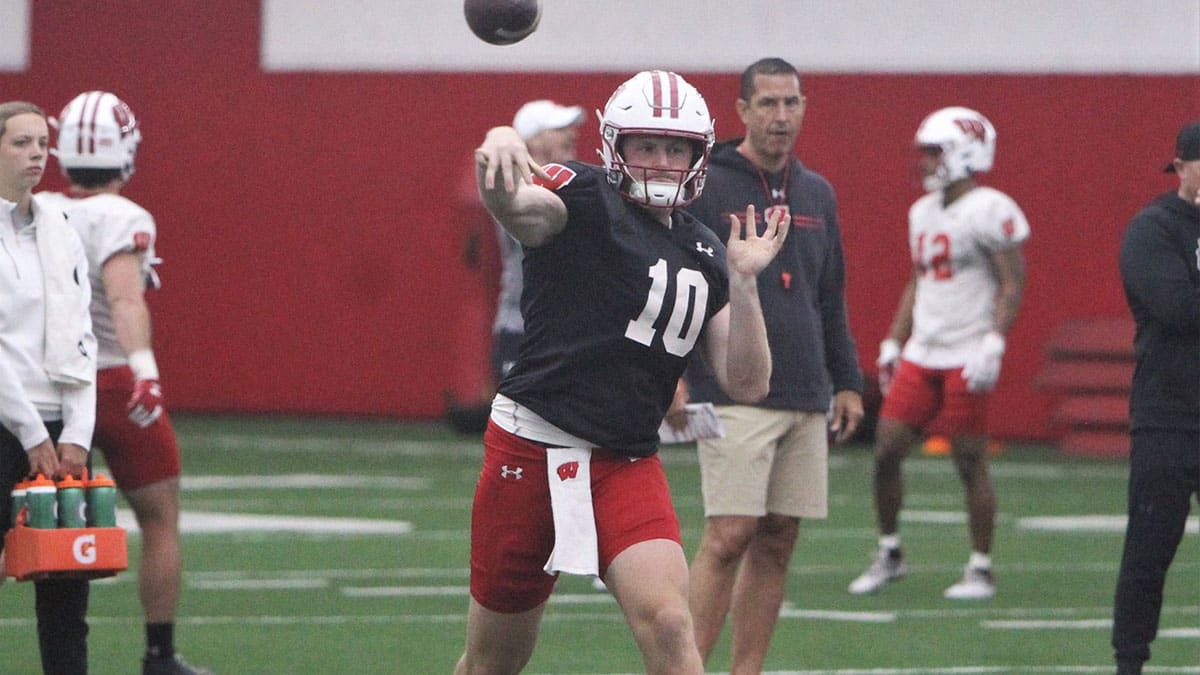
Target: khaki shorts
(770, 461)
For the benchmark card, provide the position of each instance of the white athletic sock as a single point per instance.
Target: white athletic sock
(890, 542)
(980, 561)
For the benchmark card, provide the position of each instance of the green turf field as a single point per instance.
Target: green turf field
(275, 584)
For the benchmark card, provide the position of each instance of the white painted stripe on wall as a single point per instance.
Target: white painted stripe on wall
(14, 35)
(1083, 36)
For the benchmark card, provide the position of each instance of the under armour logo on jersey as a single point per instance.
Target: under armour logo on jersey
(704, 249)
(567, 470)
(513, 473)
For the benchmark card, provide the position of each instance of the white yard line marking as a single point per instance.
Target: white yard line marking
(198, 522)
(302, 480)
(1087, 523)
(257, 584)
(321, 446)
(358, 573)
(404, 591)
(1046, 624)
(789, 612)
(933, 517)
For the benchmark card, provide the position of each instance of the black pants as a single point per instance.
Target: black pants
(61, 604)
(1164, 474)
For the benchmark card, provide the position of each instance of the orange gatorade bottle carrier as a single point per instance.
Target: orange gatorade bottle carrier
(37, 547)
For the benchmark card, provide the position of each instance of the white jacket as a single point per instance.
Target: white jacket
(47, 349)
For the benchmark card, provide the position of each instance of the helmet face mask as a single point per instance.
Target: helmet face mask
(656, 103)
(966, 139)
(97, 130)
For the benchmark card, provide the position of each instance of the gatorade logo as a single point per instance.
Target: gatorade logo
(568, 470)
(84, 549)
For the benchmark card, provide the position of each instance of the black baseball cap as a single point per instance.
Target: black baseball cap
(1187, 145)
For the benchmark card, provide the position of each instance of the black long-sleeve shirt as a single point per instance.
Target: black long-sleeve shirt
(1160, 268)
(802, 290)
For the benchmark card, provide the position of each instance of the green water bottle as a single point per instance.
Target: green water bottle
(70, 503)
(101, 495)
(42, 503)
(18, 502)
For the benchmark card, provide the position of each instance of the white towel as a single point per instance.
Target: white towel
(570, 475)
(70, 344)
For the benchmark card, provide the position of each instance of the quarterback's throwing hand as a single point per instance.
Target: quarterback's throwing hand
(145, 406)
(503, 152)
(747, 252)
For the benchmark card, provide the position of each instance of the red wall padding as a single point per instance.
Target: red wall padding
(316, 237)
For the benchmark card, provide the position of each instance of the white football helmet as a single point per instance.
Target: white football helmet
(97, 130)
(659, 103)
(967, 140)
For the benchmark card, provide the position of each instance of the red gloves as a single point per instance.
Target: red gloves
(145, 406)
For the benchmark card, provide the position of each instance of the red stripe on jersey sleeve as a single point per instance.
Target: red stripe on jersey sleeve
(559, 176)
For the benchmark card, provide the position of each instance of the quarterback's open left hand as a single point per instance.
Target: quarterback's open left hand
(747, 252)
(145, 406)
(982, 369)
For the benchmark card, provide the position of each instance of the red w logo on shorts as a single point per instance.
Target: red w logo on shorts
(567, 470)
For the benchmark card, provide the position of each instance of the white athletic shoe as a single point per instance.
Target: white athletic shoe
(976, 584)
(887, 567)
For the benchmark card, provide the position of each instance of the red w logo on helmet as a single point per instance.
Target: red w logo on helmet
(971, 127)
(567, 470)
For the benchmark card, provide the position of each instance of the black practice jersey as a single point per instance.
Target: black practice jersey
(613, 306)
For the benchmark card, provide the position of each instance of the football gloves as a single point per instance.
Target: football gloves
(145, 406)
(982, 368)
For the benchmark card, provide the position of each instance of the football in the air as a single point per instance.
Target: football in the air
(502, 22)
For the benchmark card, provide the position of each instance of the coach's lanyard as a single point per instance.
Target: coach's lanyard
(776, 197)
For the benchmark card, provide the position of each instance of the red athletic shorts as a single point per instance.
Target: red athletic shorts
(918, 395)
(136, 457)
(512, 527)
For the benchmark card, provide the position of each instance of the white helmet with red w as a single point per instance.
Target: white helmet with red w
(657, 103)
(97, 130)
(967, 141)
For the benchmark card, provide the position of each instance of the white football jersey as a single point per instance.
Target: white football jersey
(956, 287)
(108, 224)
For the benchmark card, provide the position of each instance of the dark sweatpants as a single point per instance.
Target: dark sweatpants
(1164, 474)
(61, 604)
